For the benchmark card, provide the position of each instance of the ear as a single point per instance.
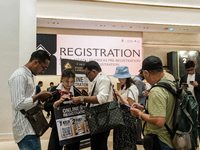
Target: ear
(35, 62)
(146, 73)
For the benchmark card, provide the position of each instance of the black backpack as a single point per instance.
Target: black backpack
(185, 117)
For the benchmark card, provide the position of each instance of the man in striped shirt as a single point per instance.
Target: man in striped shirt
(22, 90)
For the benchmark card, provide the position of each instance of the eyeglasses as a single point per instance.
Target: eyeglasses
(88, 73)
(44, 68)
(190, 70)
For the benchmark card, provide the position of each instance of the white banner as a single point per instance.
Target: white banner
(109, 52)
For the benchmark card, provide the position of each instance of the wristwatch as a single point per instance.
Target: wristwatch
(82, 99)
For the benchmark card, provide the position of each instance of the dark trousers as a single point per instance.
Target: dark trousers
(55, 145)
(99, 141)
(139, 129)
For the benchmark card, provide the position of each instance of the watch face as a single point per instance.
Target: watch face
(81, 98)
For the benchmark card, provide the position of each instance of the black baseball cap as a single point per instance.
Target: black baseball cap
(152, 63)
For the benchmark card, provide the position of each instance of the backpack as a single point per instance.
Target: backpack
(185, 119)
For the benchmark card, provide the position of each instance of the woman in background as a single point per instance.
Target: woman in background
(125, 136)
(64, 90)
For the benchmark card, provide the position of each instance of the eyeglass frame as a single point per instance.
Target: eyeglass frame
(189, 70)
(44, 68)
(88, 73)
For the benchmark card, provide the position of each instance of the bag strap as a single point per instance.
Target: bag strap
(132, 94)
(94, 89)
(76, 90)
(25, 113)
(88, 105)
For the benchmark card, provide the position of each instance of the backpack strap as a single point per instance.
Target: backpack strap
(167, 86)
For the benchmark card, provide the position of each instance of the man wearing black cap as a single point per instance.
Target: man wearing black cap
(160, 105)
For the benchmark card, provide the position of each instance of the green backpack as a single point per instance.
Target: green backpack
(185, 118)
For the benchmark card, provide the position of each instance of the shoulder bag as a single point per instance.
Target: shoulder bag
(36, 118)
(103, 117)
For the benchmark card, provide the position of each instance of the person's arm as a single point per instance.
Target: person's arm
(139, 86)
(158, 121)
(104, 88)
(38, 89)
(132, 94)
(86, 99)
(121, 97)
(156, 108)
(18, 91)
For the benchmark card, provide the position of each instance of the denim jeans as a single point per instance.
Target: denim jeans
(164, 146)
(30, 142)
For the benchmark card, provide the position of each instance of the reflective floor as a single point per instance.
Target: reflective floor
(9, 144)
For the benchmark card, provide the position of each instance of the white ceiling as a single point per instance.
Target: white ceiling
(117, 26)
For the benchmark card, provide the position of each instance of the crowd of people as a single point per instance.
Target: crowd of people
(158, 101)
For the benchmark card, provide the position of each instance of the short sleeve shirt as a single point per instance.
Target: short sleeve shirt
(161, 103)
(131, 92)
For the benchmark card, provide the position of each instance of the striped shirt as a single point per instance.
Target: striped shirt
(22, 88)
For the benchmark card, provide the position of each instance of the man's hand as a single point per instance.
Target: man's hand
(76, 100)
(183, 86)
(138, 106)
(194, 83)
(62, 98)
(43, 96)
(145, 93)
(135, 112)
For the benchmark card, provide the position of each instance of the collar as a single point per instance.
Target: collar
(61, 87)
(139, 77)
(96, 78)
(27, 71)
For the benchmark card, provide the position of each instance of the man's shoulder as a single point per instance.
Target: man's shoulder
(16, 73)
(184, 75)
(136, 77)
(198, 73)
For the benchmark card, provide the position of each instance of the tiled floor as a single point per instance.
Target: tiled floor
(10, 144)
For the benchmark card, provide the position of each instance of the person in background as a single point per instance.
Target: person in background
(125, 136)
(51, 86)
(160, 106)
(65, 88)
(192, 80)
(22, 90)
(142, 100)
(38, 87)
(102, 94)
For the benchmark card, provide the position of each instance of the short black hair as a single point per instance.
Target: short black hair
(92, 65)
(68, 73)
(40, 82)
(189, 64)
(40, 55)
(51, 83)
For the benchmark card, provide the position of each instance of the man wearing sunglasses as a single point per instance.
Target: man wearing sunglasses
(191, 81)
(24, 97)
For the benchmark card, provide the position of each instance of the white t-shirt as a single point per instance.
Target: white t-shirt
(191, 87)
(131, 92)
